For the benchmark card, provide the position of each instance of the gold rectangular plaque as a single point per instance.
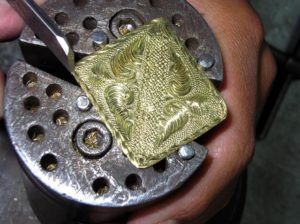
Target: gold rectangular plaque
(150, 92)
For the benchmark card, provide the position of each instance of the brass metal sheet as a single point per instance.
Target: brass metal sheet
(150, 92)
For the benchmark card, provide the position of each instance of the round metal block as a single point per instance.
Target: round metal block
(43, 115)
(73, 164)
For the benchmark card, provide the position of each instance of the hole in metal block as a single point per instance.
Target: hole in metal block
(161, 166)
(61, 117)
(49, 162)
(157, 3)
(126, 26)
(36, 133)
(72, 38)
(61, 18)
(100, 186)
(30, 80)
(31, 103)
(178, 20)
(90, 23)
(80, 3)
(192, 43)
(125, 21)
(93, 138)
(133, 182)
(54, 91)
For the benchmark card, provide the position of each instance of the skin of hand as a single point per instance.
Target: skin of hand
(249, 69)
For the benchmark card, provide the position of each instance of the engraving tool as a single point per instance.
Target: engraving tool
(46, 30)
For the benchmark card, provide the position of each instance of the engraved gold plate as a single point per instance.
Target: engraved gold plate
(151, 93)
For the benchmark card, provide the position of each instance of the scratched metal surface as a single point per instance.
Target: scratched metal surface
(182, 17)
(74, 176)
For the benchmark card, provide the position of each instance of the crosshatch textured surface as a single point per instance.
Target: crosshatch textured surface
(151, 93)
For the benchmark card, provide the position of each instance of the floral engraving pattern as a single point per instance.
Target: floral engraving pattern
(150, 92)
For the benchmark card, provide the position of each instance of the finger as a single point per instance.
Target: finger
(231, 146)
(1, 94)
(11, 24)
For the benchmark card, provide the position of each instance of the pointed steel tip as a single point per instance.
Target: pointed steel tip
(68, 57)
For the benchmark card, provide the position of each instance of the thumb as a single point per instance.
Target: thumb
(11, 24)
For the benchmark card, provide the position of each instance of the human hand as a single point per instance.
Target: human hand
(249, 70)
(11, 25)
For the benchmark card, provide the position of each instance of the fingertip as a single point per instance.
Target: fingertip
(11, 23)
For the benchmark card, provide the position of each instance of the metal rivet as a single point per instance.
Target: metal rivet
(83, 103)
(186, 152)
(99, 39)
(206, 62)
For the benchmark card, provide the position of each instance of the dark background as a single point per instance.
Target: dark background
(273, 189)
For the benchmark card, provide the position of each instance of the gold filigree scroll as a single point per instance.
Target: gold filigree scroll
(150, 92)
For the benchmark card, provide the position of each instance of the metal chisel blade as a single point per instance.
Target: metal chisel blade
(46, 30)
